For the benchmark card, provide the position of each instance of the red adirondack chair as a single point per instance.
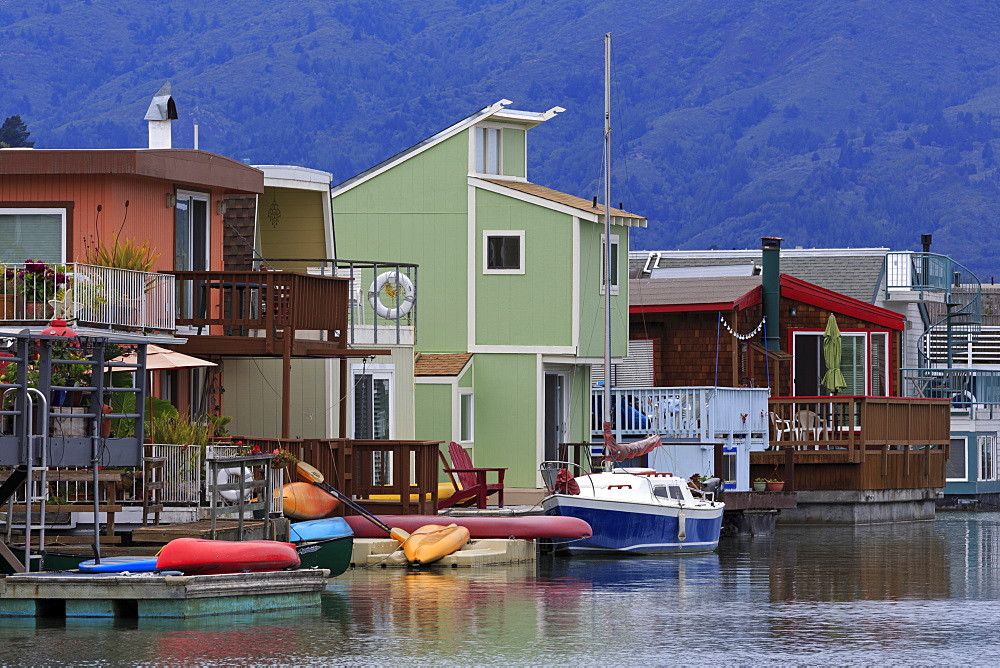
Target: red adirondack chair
(471, 484)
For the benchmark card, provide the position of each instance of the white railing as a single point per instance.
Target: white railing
(91, 295)
(704, 413)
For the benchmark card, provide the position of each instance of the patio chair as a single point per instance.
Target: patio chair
(473, 489)
(780, 427)
(812, 426)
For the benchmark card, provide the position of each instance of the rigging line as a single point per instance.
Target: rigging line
(718, 342)
(248, 244)
(621, 135)
(767, 361)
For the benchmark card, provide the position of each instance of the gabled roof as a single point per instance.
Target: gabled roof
(440, 364)
(682, 295)
(583, 207)
(496, 110)
(855, 272)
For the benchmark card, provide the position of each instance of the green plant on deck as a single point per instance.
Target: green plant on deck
(123, 254)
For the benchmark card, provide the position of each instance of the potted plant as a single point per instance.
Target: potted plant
(759, 484)
(36, 284)
(775, 485)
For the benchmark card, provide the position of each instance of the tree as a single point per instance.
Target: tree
(14, 133)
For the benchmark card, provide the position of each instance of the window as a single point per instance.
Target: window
(466, 415)
(32, 234)
(989, 457)
(957, 468)
(864, 361)
(614, 262)
(372, 404)
(487, 147)
(503, 252)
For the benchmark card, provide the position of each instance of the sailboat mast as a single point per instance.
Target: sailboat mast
(607, 228)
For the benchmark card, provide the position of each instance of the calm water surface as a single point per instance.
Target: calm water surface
(923, 593)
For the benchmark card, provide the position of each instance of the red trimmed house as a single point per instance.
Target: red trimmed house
(864, 454)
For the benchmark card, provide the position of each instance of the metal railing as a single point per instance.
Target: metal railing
(382, 306)
(968, 389)
(93, 296)
(924, 272)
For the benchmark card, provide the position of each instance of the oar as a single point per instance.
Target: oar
(310, 473)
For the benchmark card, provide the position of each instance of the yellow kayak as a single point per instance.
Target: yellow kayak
(433, 541)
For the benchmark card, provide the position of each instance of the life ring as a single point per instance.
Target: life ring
(225, 476)
(405, 304)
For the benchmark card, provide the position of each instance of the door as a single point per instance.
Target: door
(555, 413)
(191, 249)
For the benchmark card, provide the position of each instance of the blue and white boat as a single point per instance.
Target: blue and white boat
(633, 511)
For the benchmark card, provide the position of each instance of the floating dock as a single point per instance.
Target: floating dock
(157, 595)
(384, 552)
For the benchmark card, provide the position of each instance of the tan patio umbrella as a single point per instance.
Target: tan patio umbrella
(833, 379)
(159, 359)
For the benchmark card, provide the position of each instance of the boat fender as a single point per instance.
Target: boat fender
(225, 476)
(682, 525)
(566, 484)
(405, 303)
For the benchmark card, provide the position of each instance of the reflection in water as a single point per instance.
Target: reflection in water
(921, 593)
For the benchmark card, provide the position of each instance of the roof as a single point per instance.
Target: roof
(723, 293)
(179, 165)
(440, 364)
(572, 201)
(855, 272)
(716, 293)
(495, 110)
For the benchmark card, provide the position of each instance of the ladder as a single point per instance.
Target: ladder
(36, 493)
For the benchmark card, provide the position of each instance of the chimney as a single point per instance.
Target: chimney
(770, 259)
(161, 111)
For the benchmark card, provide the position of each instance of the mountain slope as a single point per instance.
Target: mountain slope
(829, 123)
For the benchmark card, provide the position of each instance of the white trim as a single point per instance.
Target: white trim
(487, 234)
(386, 371)
(588, 361)
(471, 273)
(575, 305)
(430, 142)
(327, 223)
(459, 394)
(27, 211)
(525, 350)
(539, 417)
(965, 458)
(434, 380)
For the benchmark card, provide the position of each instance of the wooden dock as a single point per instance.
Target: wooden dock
(157, 595)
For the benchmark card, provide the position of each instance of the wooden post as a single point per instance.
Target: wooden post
(717, 463)
(789, 469)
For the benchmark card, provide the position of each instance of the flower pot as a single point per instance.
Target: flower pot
(759, 486)
(775, 486)
(37, 311)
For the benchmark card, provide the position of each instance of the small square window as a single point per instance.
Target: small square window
(503, 252)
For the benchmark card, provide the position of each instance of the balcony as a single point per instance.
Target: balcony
(261, 312)
(968, 390)
(98, 297)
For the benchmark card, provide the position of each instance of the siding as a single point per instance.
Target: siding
(298, 232)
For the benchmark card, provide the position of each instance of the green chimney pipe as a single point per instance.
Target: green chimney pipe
(770, 257)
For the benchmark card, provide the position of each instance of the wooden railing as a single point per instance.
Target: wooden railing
(235, 302)
(390, 476)
(858, 424)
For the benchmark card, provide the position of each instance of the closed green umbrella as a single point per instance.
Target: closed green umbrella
(833, 379)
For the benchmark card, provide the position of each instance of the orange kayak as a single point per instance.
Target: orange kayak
(433, 541)
(306, 501)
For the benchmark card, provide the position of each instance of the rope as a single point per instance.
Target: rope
(718, 341)
(767, 356)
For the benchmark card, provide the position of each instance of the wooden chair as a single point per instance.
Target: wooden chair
(471, 484)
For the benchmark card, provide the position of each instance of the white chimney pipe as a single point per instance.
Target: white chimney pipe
(161, 111)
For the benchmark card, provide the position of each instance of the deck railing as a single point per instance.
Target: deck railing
(973, 391)
(702, 413)
(93, 296)
(857, 424)
(253, 303)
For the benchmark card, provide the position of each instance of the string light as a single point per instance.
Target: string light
(743, 337)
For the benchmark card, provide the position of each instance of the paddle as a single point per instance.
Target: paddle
(310, 473)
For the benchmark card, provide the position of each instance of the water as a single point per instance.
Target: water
(921, 593)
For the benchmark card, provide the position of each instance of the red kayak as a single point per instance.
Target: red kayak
(525, 526)
(193, 556)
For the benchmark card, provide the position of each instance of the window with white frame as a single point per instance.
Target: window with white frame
(863, 362)
(503, 252)
(957, 468)
(614, 262)
(372, 403)
(32, 234)
(466, 417)
(989, 457)
(487, 150)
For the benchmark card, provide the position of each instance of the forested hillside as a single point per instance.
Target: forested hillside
(831, 122)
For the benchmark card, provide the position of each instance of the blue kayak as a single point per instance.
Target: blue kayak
(324, 529)
(119, 565)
